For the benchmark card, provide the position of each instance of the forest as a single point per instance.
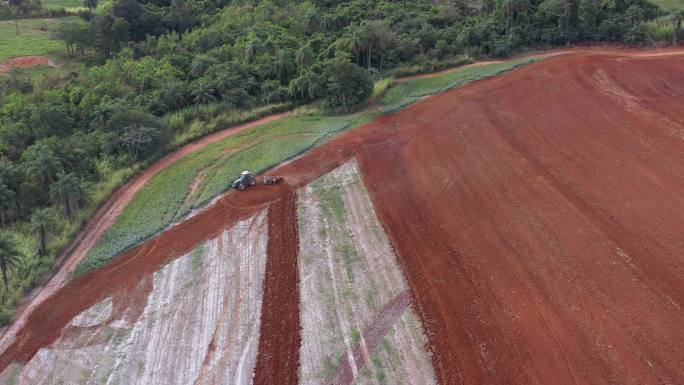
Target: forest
(158, 73)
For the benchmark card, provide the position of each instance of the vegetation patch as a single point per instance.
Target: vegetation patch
(163, 199)
(404, 93)
(36, 37)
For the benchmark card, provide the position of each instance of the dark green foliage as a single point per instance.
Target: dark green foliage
(44, 223)
(139, 140)
(9, 256)
(347, 84)
(70, 192)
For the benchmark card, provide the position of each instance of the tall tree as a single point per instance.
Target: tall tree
(676, 19)
(9, 256)
(68, 191)
(284, 66)
(203, 93)
(9, 176)
(90, 4)
(377, 35)
(41, 163)
(7, 202)
(304, 57)
(43, 223)
(16, 4)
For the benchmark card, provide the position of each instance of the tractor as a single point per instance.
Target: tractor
(247, 179)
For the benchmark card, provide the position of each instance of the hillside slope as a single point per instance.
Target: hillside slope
(537, 218)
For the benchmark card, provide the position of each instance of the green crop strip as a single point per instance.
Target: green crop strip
(164, 199)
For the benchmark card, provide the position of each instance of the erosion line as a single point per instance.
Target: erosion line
(372, 336)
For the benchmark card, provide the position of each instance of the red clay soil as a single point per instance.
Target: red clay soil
(106, 215)
(372, 337)
(24, 61)
(279, 339)
(538, 217)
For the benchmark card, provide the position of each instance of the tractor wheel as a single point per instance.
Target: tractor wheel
(241, 187)
(252, 182)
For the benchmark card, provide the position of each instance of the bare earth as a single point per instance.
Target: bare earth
(348, 274)
(195, 321)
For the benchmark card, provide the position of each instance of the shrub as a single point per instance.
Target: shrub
(347, 84)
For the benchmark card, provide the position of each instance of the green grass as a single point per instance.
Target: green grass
(404, 93)
(68, 5)
(669, 5)
(164, 199)
(31, 39)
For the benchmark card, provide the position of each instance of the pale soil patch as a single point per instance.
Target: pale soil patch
(348, 274)
(95, 315)
(196, 321)
(634, 105)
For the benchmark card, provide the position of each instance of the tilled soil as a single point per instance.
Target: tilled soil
(537, 216)
(349, 276)
(194, 321)
(279, 344)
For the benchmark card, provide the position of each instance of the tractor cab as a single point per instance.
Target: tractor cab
(246, 179)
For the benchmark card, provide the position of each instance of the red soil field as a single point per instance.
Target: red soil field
(24, 61)
(538, 217)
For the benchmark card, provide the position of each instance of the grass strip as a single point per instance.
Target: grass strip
(164, 199)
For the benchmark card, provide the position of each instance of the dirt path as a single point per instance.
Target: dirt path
(537, 218)
(106, 215)
(25, 61)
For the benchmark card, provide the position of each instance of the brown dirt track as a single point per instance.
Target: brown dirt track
(24, 61)
(538, 217)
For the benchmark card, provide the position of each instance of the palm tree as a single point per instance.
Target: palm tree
(201, 64)
(101, 114)
(7, 201)
(67, 190)
(9, 256)
(284, 66)
(90, 4)
(311, 20)
(16, 4)
(676, 18)
(252, 50)
(304, 57)
(42, 164)
(203, 93)
(513, 9)
(358, 44)
(43, 223)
